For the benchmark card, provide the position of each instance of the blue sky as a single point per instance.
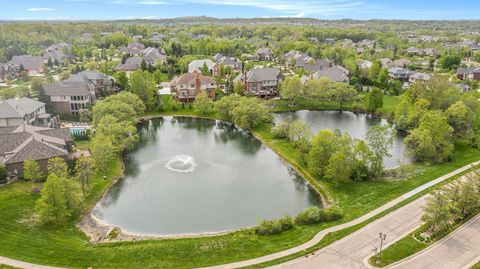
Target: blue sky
(322, 9)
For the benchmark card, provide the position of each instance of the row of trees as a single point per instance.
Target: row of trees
(318, 90)
(114, 118)
(453, 203)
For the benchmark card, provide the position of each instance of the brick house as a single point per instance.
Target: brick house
(261, 82)
(187, 87)
(32, 64)
(69, 97)
(264, 54)
(468, 73)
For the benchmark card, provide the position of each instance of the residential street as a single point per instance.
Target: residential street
(460, 249)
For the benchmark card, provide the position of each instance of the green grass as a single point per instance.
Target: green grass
(3, 266)
(476, 266)
(68, 247)
(401, 249)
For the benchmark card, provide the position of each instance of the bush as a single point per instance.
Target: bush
(281, 130)
(270, 227)
(3, 174)
(314, 215)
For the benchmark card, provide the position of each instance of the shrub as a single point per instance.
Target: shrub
(314, 215)
(270, 227)
(281, 130)
(3, 174)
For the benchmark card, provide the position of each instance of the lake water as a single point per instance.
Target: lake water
(356, 125)
(191, 176)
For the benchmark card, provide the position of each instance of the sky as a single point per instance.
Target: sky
(320, 9)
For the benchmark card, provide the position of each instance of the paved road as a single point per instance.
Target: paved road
(461, 249)
(351, 251)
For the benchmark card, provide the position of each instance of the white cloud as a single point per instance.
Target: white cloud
(40, 9)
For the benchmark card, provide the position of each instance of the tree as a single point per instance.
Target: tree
(123, 133)
(36, 84)
(203, 103)
(382, 79)
(459, 117)
(143, 65)
(343, 93)
(103, 151)
(380, 140)
(339, 167)
(250, 112)
(143, 85)
(121, 80)
(322, 148)
(127, 98)
(31, 171)
(225, 106)
(291, 89)
(318, 89)
(450, 61)
(437, 212)
(375, 70)
(85, 170)
(57, 166)
(205, 70)
(432, 140)
(59, 199)
(374, 100)
(238, 88)
(123, 112)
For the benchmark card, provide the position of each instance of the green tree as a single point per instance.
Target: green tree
(123, 133)
(36, 85)
(205, 70)
(250, 112)
(121, 80)
(57, 166)
(432, 140)
(103, 151)
(380, 140)
(225, 106)
(31, 171)
(375, 70)
(343, 93)
(339, 167)
(437, 212)
(238, 88)
(84, 171)
(459, 117)
(382, 79)
(322, 148)
(291, 89)
(127, 98)
(123, 112)
(203, 103)
(374, 100)
(143, 85)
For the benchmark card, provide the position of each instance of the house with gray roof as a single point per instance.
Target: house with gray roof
(264, 54)
(5, 70)
(102, 83)
(69, 96)
(335, 74)
(399, 73)
(15, 112)
(133, 49)
(154, 56)
(231, 62)
(197, 65)
(468, 73)
(26, 142)
(57, 57)
(261, 82)
(131, 65)
(31, 64)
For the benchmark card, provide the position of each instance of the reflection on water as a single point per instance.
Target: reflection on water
(356, 125)
(232, 181)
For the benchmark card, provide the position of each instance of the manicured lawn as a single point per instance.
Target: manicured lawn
(476, 266)
(68, 247)
(405, 247)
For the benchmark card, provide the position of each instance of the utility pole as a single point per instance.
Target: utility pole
(382, 237)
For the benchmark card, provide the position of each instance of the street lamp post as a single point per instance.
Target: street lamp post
(382, 237)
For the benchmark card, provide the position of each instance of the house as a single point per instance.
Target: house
(133, 49)
(298, 59)
(157, 37)
(102, 83)
(5, 70)
(154, 56)
(364, 64)
(198, 65)
(17, 144)
(57, 57)
(57, 47)
(414, 51)
(399, 73)
(335, 74)
(418, 76)
(188, 86)
(264, 54)
(131, 64)
(386, 62)
(70, 96)
(402, 63)
(468, 73)
(329, 41)
(233, 63)
(366, 43)
(430, 52)
(261, 82)
(14, 112)
(32, 64)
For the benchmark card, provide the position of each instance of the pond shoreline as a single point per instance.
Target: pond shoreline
(99, 231)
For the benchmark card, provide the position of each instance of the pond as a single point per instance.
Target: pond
(356, 125)
(190, 176)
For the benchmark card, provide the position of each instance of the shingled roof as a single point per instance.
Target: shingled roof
(17, 108)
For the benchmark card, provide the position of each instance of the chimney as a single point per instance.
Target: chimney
(197, 82)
